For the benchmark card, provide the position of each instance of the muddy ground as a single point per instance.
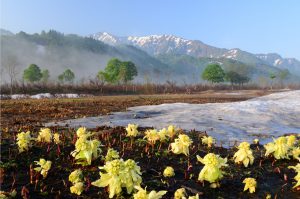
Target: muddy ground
(23, 112)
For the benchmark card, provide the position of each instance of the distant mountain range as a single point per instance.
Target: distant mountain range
(158, 58)
(170, 44)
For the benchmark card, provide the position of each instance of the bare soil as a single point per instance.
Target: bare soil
(23, 112)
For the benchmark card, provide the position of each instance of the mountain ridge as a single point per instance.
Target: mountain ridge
(171, 44)
(86, 56)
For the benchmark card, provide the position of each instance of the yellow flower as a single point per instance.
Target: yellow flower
(142, 194)
(291, 140)
(295, 153)
(76, 176)
(8, 195)
(152, 136)
(194, 197)
(56, 138)
(77, 188)
(132, 130)
(297, 177)
(180, 194)
(24, 141)
(250, 183)
(111, 155)
(81, 131)
(209, 141)
(45, 135)
(256, 141)
(169, 172)
(162, 134)
(111, 178)
(171, 131)
(181, 144)
(44, 167)
(85, 150)
(279, 148)
(211, 172)
(244, 154)
(119, 174)
(132, 175)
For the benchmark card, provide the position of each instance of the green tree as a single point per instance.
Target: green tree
(61, 78)
(117, 71)
(236, 78)
(283, 75)
(272, 77)
(213, 73)
(32, 73)
(127, 72)
(67, 76)
(101, 76)
(111, 71)
(45, 75)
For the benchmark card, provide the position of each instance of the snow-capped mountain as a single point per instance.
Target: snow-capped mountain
(163, 44)
(172, 58)
(170, 44)
(292, 64)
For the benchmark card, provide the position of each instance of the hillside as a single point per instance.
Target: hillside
(86, 56)
(185, 63)
(170, 44)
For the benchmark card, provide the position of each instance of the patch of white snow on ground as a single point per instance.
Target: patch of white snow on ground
(272, 115)
(44, 96)
(41, 96)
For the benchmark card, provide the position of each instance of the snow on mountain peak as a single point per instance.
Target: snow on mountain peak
(155, 39)
(277, 62)
(141, 41)
(231, 54)
(105, 37)
(171, 44)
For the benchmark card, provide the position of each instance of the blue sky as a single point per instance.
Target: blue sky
(257, 26)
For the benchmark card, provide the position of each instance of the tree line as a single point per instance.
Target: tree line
(215, 74)
(115, 72)
(122, 72)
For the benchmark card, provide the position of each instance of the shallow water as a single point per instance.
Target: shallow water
(263, 117)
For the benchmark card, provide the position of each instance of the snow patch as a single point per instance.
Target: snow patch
(272, 115)
(43, 96)
(19, 96)
(231, 54)
(277, 62)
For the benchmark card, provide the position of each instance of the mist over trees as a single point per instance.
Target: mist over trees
(67, 76)
(236, 78)
(10, 66)
(45, 75)
(84, 56)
